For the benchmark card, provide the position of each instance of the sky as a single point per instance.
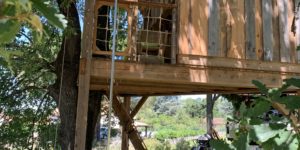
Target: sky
(193, 96)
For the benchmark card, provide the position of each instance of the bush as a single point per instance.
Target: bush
(153, 144)
(170, 133)
(182, 144)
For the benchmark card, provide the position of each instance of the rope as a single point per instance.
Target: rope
(61, 82)
(112, 73)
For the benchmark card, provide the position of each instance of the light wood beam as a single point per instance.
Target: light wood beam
(84, 76)
(124, 117)
(140, 3)
(138, 106)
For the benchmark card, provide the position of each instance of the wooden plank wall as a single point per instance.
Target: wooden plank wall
(243, 29)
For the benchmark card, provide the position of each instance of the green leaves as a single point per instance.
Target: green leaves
(220, 144)
(269, 131)
(291, 102)
(263, 132)
(15, 13)
(259, 108)
(50, 13)
(262, 88)
(8, 30)
(275, 94)
(294, 82)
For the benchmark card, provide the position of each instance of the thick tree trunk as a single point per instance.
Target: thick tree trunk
(68, 98)
(70, 51)
(93, 115)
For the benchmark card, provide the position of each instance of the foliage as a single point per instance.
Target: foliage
(223, 108)
(182, 144)
(171, 133)
(26, 109)
(167, 105)
(24, 113)
(169, 125)
(14, 13)
(268, 130)
(153, 144)
(195, 107)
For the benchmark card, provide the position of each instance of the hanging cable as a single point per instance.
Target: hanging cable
(112, 72)
(61, 82)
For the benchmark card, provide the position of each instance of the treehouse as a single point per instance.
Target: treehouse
(175, 47)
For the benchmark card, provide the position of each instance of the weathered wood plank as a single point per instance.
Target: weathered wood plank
(184, 24)
(174, 36)
(250, 29)
(224, 25)
(218, 77)
(213, 28)
(276, 35)
(84, 76)
(236, 33)
(198, 32)
(193, 32)
(290, 25)
(238, 64)
(285, 50)
(125, 139)
(124, 117)
(259, 30)
(267, 12)
(297, 25)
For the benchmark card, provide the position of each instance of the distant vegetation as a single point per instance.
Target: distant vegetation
(173, 117)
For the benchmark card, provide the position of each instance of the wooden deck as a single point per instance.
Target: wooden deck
(192, 75)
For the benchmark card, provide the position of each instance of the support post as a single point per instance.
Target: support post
(84, 76)
(174, 37)
(209, 114)
(132, 32)
(125, 139)
(210, 102)
(123, 116)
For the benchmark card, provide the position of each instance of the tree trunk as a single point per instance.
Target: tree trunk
(210, 102)
(93, 115)
(209, 113)
(67, 101)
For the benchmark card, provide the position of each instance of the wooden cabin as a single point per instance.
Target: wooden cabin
(174, 47)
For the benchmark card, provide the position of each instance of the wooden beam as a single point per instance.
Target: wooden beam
(138, 106)
(259, 30)
(174, 50)
(152, 90)
(84, 76)
(297, 24)
(125, 140)
(213, 28)
(267, 11)
(276, 35)
(140, 3)
(250, 29)
(285, 50)
(124, 117)
(236, 33)
(215, 74)
(238, 63)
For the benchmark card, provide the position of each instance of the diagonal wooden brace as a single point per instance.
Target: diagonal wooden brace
(126, 120)
(138, 106)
